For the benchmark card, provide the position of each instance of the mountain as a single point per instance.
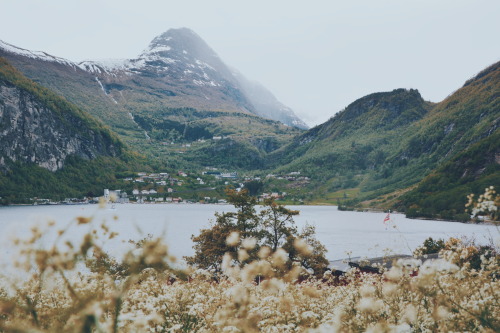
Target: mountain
(179, 65)
(39, 127)
(384, 143)
(49, 146)
(178, 70)
(360, 139)
(177, 91)
(179, 104)
(475, 107)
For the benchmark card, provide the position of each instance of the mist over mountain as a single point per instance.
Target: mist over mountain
(179, 64)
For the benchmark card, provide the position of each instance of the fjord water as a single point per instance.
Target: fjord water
(360, 234)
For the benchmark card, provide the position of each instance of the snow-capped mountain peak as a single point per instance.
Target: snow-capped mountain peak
(104, 65)
(181, 69)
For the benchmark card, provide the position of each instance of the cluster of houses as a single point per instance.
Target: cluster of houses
(161, 179)
(119, 196)
(292, 176)
(189, 144)
(274, 195)
(221, 175)
(159, 187)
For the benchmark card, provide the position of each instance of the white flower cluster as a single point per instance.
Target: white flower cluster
(486, 204)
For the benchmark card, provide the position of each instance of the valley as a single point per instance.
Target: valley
(177, 107)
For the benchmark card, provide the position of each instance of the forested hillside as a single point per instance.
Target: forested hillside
(49, 147)
(385, 143)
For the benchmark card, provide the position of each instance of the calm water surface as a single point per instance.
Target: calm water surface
(363, 234)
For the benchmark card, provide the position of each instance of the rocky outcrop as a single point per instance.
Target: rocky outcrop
(32, 132)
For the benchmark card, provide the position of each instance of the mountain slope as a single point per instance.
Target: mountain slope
(50, 147)
(180, 67)
(176, 91)
(39, 127)
(361, 137)
(386, 142)
(265, 103)
(442, 193)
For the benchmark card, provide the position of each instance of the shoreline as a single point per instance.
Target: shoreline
(364, 210)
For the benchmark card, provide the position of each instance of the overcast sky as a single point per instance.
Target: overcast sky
(315, 56)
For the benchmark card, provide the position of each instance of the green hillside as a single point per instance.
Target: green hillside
(58, 105)
(441, 194)
(357, 148)
(384, 143)
(184, 137)
(80, 175)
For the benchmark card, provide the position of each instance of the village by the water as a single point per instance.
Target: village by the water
(178, 188)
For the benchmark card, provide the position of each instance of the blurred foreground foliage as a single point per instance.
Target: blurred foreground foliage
(77, 287)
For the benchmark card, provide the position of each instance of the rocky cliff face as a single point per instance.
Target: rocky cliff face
(34, 133)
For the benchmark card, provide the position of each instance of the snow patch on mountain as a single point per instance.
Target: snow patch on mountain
(40, 55)
(157, 48)
(203, 65)
(104, 65)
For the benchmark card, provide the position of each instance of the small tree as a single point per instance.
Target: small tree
(278, 224)
(245, 219)
(210, 245)
(273, 227)
(307, 250)
(254, 187)
(430, 246)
